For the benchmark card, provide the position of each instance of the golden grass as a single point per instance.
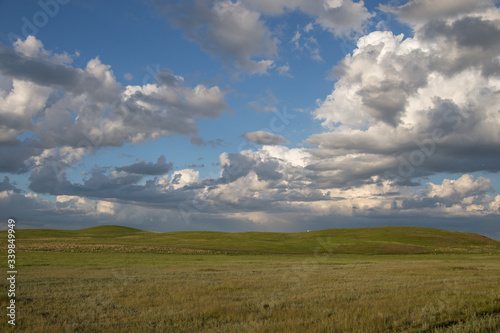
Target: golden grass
(115, 279)
(256, 293)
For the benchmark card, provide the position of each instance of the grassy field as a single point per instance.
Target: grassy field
(116, 279)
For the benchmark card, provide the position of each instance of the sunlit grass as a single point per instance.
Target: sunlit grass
(110, 290)
(383, 240)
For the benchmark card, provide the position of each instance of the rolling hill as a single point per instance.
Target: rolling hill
(379, 240)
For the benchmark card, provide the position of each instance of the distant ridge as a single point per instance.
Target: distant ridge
(378, 240)
(111, 229)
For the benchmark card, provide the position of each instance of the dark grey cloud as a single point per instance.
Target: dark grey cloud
(6, 185)
(225, 29)
(290, 192)
(35, 213)
(167, 77)
(50, 179)
(475, 39)
(104, 185)
(37, 70)
(216, 143)
(268, 170)
(471, 36)
(264, 138)
(100, 181)
(386, 100)
(195, 166)
(237, 166)
(165, 114)
(159, 168)
(16, 158)
(237, 31)
(418, 11)
(354, 171)
(46, 73)
(475, 32)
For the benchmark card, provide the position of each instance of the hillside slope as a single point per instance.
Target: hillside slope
(380, 240)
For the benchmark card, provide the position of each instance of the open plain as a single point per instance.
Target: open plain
(391, 279)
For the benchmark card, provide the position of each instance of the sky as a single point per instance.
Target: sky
(250, 115)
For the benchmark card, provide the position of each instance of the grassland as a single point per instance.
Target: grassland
(116, 279)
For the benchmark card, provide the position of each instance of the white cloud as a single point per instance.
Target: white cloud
(19, 106)
(184, 177)
(285, 71)
(495, 204)
(463, 187)
(309, 27)
(374, 83)
(83, 206)
(419, 106)
(105, 207)
(312, 45)
(295, 39)
(294, 156)
(465, 196)
(33, 48)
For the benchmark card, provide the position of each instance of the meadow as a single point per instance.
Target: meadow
(116, 279)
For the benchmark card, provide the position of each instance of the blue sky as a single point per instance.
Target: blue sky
(250, 114)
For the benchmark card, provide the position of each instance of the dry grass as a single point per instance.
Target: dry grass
(100, 248)
(139, 292)
(116, 279)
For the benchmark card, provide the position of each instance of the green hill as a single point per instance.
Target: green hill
(380, 240)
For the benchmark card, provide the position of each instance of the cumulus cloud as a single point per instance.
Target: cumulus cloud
(401, 109)
(464, 187)
(64, 106)
(33, 48)
(414, 106)
(265, 138)
(83, 206)
(184, 177)
(465, 196)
